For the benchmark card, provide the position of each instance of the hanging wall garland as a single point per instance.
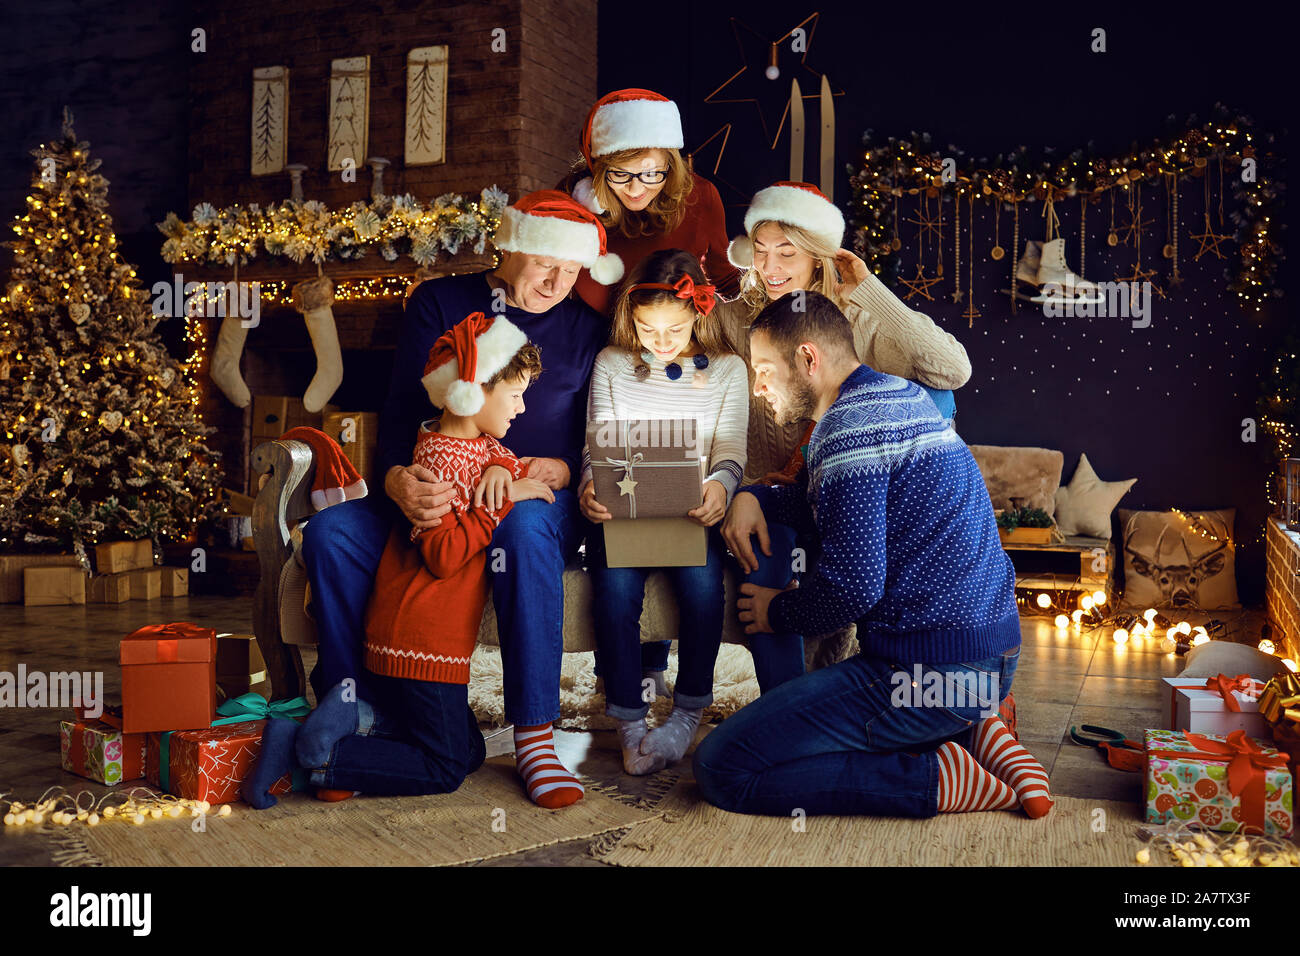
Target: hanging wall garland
(1224, 146)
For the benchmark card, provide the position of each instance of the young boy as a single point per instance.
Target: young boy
(430, 591)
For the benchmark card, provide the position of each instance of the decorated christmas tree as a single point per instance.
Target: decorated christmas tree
(100, 435)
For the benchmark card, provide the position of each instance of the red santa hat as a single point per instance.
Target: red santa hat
(627, 119)
(465, 357)
(795, 204)
(335, 479)
(551, 223)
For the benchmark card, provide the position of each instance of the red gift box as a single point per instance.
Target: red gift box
(169, 677)
(208, 764)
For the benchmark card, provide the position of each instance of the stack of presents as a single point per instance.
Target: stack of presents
(1226, 756)
(194, 704)
(124, 571)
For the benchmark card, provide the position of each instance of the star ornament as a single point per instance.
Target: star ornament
(626, 487)
(920, 285)
(1210, 242)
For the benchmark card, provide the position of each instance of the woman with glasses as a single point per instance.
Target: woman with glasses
(634, 177)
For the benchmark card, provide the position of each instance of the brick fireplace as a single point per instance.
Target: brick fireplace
(1282, 582)
(513, 119)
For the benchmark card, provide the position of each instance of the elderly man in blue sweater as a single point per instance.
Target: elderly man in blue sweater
(545, 239)
(909, 550)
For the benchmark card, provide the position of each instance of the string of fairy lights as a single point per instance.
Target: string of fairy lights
(910, 166)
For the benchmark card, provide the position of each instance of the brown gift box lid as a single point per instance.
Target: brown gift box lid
(660, 456)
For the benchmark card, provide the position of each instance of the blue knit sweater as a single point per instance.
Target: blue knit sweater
(910, 548)
(554, 422)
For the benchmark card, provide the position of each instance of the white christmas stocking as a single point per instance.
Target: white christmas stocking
(314, 298)
(225, 360)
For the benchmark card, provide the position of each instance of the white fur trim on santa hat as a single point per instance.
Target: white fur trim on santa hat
(740, 252)
(496, 347)
(797, 207)
(322, 498)
(548, 236)
(585, 192)
(636, 124)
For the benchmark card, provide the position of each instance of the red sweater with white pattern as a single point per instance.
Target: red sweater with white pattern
(431, 587)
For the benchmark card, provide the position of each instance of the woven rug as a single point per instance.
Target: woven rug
(581, 708)
(693, 833)
(488, 816)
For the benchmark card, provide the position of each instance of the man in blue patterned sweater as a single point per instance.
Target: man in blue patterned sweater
(909, 550)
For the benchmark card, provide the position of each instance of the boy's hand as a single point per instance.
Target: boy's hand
(422, 495)
(552, 471)
(592, 509)
(493, 487)
(522, 489)
(714, 507)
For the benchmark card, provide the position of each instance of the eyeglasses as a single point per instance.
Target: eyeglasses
(621, 177)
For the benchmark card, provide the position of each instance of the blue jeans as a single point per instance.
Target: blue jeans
(538, 538)
(619, 598)
(342, 546)
(437, 746)
(847, 739)
(777, 657)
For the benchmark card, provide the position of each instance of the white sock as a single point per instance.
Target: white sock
(674, 735)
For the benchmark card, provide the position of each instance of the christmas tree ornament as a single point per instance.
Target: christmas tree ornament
(997, 252)
(314, 299)
(1112, 238)
(111, 420)
(79, 312)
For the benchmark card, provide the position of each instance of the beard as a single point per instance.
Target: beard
(799, 403)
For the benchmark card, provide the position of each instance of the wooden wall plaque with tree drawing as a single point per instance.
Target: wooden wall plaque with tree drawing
(426, 106)
(270, 112)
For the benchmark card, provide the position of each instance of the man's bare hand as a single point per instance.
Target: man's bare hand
(420, 495)
(745, 518)
(552, 471)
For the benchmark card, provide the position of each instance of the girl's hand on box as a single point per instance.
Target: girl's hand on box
(592, 509)
(714, 507)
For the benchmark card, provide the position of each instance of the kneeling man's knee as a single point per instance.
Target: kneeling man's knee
(718, 786)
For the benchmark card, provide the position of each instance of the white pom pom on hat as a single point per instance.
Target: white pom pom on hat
(585, 192)
(740, 252)
(465, 357)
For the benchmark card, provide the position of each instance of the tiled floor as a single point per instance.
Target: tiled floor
(1064, 678)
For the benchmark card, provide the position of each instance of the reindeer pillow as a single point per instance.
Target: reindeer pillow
(1179, 559)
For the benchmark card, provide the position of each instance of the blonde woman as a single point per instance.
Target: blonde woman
(792, 242)
(634, 177)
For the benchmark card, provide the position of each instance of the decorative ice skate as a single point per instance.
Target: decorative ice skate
(1043, 266)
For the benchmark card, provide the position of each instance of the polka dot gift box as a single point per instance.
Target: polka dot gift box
(1233, 783)
(93, 749)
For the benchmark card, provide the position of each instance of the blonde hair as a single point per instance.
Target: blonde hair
(752, 291)
(665, 266)
(665, 212)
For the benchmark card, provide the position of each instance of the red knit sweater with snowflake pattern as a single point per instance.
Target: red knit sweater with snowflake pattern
(431, 587)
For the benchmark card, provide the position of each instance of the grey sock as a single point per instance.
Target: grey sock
(630, 735)
(661, 685)
(670, 739)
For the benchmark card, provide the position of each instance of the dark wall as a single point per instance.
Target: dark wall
(1163, 404)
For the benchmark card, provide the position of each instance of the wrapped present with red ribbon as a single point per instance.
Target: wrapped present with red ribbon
(1215, 705)
(1232, 783)
(169, 677)
(98, 751)
(211, 764)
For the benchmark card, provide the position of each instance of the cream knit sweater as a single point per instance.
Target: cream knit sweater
(889, 337)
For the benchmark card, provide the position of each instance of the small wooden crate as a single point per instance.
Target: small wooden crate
(1025, 535)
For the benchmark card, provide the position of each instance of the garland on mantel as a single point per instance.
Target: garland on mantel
(308, 230)
(910, 166)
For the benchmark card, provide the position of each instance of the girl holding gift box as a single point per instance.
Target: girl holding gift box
(429, 595)
(668, 359)
(634, 177)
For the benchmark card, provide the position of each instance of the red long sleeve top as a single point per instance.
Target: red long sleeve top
(703, 231)
(431, 587)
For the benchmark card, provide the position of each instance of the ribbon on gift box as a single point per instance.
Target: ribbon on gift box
(1247, 763)
(635, 460)
(1279, 700)
(1225, 686)
(241, 709)
(164, 644)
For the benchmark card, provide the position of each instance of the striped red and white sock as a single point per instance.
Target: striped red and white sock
(1002, 754)
(965, 786)
(549, 784)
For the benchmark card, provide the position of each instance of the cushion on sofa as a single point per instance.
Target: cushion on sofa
(1085, 504)
(1030, 475)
